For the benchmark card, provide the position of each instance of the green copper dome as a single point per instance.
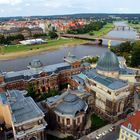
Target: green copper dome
(108, 62)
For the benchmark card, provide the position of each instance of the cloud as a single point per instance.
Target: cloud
(60, 7)
(121, 10)
(10, 2)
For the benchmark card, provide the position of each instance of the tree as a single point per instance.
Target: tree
(2, 39)
(32, 91)
(135, 58)
(52, 35)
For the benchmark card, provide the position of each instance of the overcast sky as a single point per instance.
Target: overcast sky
(57, 7)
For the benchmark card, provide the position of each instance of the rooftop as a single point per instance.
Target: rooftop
(34, 73)
(56, 67)
(23, 108)
(108, 62)
(109, 82)
(70, 58)
(71, 105)
(133, 122)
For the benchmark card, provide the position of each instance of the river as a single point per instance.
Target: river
(48, 58)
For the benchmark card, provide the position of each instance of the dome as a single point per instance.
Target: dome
(108, 62)
(71, 105)
(35, 63)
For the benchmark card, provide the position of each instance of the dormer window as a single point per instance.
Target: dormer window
(129, 125)
(139, 131)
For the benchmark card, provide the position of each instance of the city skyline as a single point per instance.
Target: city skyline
(63, 7)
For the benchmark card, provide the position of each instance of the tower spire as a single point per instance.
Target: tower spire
(109, 44)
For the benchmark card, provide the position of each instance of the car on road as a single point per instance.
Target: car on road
(111, 129)
(98, 136)
(104, 133)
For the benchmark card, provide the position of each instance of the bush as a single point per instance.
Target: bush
(91, 33)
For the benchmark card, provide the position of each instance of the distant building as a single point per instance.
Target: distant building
(130, 129)
(45, 78)
(26, 32)
(32, 41)
(22, 115)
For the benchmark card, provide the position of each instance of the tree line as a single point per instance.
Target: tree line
(14, 39)
(130, 51)
(8, 39)
(92, 26)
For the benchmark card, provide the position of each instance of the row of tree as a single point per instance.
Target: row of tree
(92, 26)
(134, 21)
(91, 60)
(32, 92)
(9, 39)
(130, 51)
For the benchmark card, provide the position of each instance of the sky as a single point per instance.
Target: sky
(62, 7)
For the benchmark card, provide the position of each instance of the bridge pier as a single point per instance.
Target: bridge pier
(100, 42)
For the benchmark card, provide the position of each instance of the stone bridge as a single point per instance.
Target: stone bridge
(92, 38)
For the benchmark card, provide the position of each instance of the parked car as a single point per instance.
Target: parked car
(104, 133)
(98, 136)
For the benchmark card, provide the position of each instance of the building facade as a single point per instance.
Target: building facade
(70, 111)
(130, 129)
(22, 115)
(113, 96)
(44, 78)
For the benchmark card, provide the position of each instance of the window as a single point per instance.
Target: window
(109, 92)
(78, 120)
(68, 121)
(127, 134)
(58, 119)
(139, 131)
(129, 125)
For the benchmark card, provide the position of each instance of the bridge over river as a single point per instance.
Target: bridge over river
(92, 38)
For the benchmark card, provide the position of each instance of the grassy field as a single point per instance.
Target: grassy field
(107, 28)
(135, 26)
(18, 51)
(97, 122)
(51, 43)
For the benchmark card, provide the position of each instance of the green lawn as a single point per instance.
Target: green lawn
(135, 26)
(97, 122)
(107, 28)
(51, 43)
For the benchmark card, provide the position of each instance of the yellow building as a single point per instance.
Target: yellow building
(130, 129)
(22, 115)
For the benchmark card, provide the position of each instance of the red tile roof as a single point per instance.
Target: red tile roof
(134, 120)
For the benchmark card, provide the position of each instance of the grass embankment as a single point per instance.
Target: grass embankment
(15, 51)
(135, 26)
(107, 28)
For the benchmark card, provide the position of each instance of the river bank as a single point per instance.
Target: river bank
(106, 29)
(135, 26)
(19, 51)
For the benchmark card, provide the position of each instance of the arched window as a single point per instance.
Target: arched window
(129, 125)
(139, 131)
